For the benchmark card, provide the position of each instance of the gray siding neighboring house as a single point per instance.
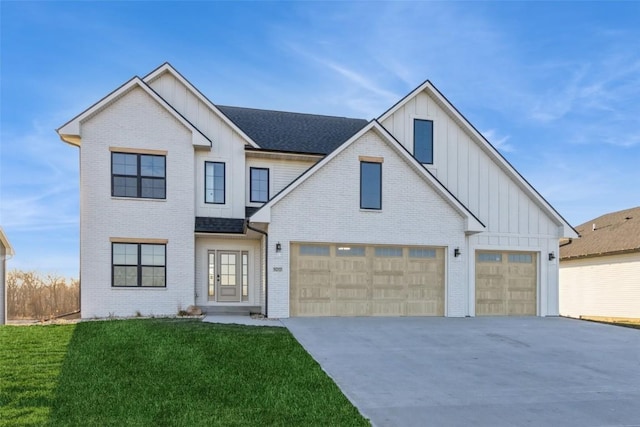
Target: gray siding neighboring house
(600, 272)
(6, 252)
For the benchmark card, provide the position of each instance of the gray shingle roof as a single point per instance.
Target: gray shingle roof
(219, 225)
(293, 132)
(614, 232)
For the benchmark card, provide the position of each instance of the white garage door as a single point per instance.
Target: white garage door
(358, 280)
(506, 283)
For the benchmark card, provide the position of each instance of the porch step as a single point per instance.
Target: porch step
(233, 310)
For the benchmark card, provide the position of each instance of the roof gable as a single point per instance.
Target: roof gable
(70, 131)
(4, 241)
(473, 225)
(612, 233)
(168, 68)
(293, 132)
(486, 147)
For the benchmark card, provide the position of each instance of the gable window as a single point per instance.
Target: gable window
(138, 175)
(370, 185)
(138, 265)
(423, 141)
(259, 184)
(214, 182)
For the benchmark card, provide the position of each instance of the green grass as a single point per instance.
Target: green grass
(162, 372)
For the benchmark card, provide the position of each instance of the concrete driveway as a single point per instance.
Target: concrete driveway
(480, 371)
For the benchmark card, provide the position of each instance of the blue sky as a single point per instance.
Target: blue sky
(555, 86)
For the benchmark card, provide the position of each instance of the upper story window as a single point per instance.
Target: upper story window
(138, 265)
(138, 175)
(259, 184)
(214, 182)
(370, 185)
(423, 141)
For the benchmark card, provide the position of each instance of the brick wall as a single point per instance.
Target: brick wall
(135, 120)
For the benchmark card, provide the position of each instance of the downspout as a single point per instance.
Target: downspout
(567, 243)
(266, 266)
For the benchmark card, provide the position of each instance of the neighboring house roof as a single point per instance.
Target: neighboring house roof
(4, 241)
(613, 233)
(219, 225)
(293, 132)
(70, 131)
(472, 224)
(485, 145)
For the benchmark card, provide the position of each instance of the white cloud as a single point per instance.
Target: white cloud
(499, 142)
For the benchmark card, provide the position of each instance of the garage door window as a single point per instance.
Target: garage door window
(389, 252)
(314, 250)
(521, 258)
(422, 253)
(489, 257)
(350, 251)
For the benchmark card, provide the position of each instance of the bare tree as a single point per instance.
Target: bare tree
(30, 296)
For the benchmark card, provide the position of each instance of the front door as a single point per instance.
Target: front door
(229, 276)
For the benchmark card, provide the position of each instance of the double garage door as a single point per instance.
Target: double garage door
(360, 280)
(506, 283)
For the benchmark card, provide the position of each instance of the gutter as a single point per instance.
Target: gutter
(567, 243)
(266, 266)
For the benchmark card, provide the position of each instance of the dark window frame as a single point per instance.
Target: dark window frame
(379, 207)
(251, 199)
(138, 266)
(415, 143)
(138, 176)
(224, 183)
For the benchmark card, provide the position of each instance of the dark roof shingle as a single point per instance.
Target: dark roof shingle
(614, 233)
(219, 225)
(293, 132)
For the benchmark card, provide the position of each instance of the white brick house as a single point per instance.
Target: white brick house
(184, 202)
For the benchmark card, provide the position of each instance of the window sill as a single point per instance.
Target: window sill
(138, 288)
(138, 199)
(371, 210)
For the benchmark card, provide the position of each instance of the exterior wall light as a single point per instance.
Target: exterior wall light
(456, 252)
(278, 248)
(552, 256)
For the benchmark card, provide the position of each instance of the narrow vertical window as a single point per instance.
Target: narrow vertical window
(212, 275)
(245, 276)
(214, 182)
(370, 185)
(259, 182)
(423, 141)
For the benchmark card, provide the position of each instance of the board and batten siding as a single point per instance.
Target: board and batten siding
(605, 286)
(470, 173)
(227, 146)
(281, 174)
(514, 221)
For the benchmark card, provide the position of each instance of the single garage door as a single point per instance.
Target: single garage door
(506, 283)
(358, 280)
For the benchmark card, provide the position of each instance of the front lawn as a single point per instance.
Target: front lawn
(162, 372)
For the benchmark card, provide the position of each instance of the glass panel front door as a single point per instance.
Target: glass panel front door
(229, 276)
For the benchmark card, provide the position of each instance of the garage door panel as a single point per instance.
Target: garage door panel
(506, 283)
(389, 308)
(389, 292)
(351, 308)
(367, 281)
(351, 292)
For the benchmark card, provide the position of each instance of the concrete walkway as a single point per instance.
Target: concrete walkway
(242, 320)
(480, 371)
